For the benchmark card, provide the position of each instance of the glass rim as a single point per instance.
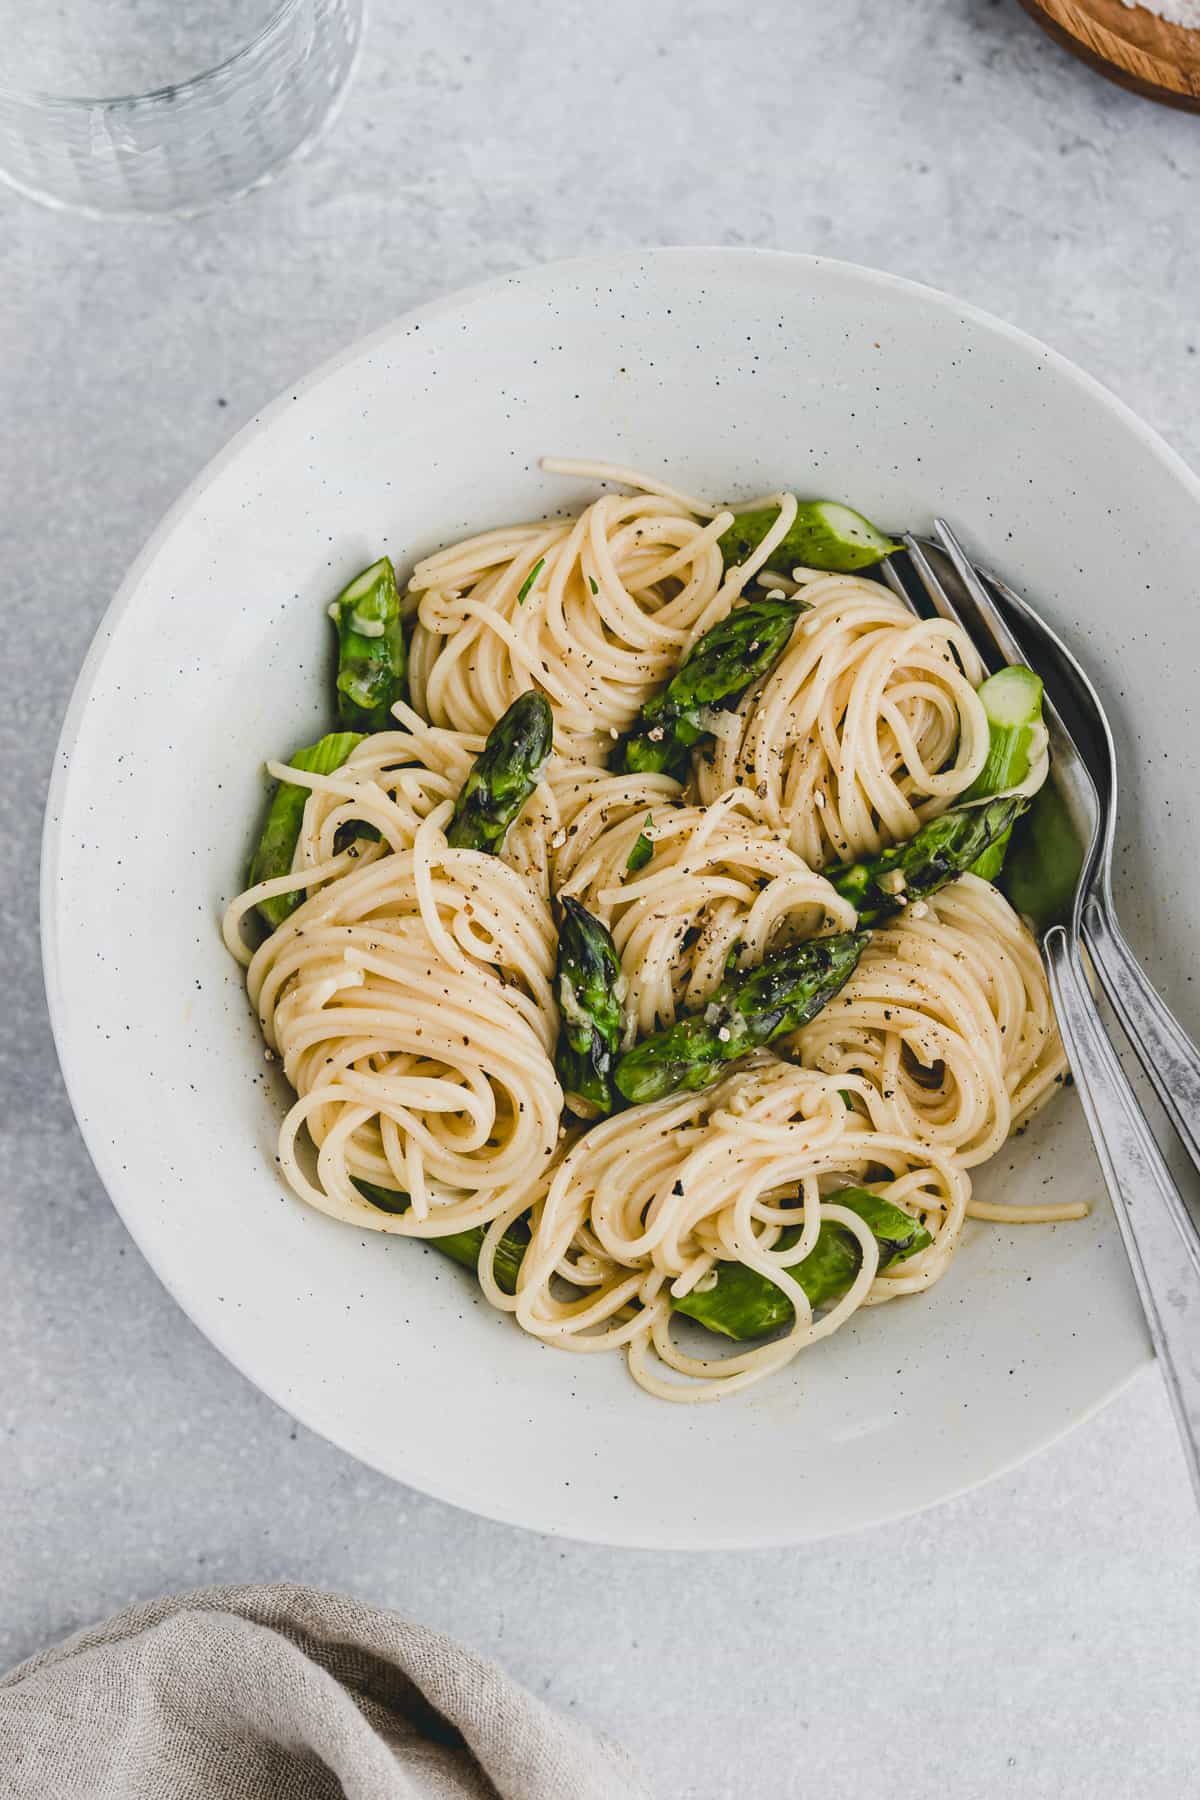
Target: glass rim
(170, 91)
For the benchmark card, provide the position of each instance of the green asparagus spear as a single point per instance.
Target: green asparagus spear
(940, 851)
(724, 663)
(749, 1008)
(281, 829)
(590, 989)
(372, 659)
(744, 1304)
(503, 775)
(1012, 700)
(823, 535)
(461, 1246)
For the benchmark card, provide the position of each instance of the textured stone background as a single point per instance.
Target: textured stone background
(1038, 1638)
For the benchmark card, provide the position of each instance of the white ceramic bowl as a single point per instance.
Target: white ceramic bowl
(731, 372)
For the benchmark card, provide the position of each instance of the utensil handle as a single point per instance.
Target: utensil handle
(1139, 1184)
(1164, 1049)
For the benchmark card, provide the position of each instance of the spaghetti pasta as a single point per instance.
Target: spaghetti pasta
(411, 994)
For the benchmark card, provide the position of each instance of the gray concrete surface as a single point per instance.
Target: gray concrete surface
(1040, 1637)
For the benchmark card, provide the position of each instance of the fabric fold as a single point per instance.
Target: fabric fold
(284, 1692)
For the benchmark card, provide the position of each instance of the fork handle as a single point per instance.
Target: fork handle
(1164, 1049)
(1124, 1124)
(1139, 1184)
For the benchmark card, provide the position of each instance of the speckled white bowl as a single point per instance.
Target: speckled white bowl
(732, 371)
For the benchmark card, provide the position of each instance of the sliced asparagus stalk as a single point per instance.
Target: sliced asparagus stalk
(935, 855)
(372, 659)
(503, 775)
(590, 989)
(744, 1304)
(281, 829)
(723, 664)
(1012, 700)
(824, 535)
(750, 1008)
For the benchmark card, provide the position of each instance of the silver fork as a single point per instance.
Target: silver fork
(1160, 1238)
(1168, 1056)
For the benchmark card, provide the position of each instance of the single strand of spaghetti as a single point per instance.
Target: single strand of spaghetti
(707, 1381)
(429, 846)
(394, 1155)
(1045, 1213)
(617, 474)
(464, 562)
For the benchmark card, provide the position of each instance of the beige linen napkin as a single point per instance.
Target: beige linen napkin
(285, 1693)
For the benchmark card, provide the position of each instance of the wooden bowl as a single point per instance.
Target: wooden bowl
(1128, 44)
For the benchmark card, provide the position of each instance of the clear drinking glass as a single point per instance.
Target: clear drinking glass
(172, 140)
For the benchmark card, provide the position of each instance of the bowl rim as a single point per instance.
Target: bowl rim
(104, 1156)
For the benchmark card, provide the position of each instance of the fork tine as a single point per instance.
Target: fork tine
(932, 582)
(936, 592)
(986, 627)
(988, 613)
(895, 581)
